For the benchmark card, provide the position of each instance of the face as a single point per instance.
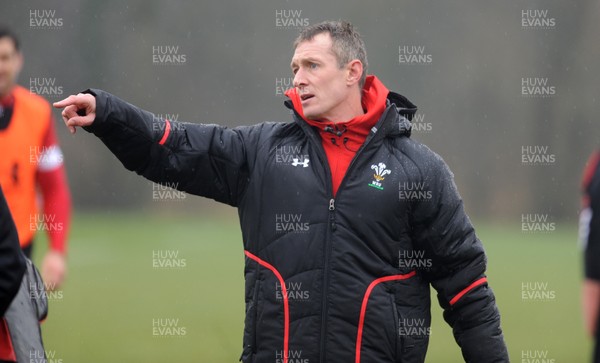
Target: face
(323, 87)
(10, 65)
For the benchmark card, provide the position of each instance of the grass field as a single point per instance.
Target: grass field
(106, 310)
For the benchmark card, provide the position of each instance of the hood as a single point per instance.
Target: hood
(405, 110)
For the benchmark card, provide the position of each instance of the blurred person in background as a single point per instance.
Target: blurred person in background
(30, 158)
(23, 302)
(334, 174)
(12, 268)
(589, 231)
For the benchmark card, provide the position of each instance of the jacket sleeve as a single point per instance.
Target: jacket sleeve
(458, 262)
(206, 160)
(12, 260)
(590, 219)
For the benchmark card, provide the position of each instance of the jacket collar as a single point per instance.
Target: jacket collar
(395, 121)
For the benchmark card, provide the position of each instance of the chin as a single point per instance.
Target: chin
(312, 115)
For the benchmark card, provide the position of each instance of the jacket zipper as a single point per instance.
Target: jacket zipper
(328, 247)
(316, 140)
(332, 214)
(332, 225)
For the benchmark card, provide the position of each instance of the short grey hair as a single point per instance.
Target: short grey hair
(347, 42)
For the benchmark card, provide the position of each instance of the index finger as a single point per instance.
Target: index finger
(71, 100)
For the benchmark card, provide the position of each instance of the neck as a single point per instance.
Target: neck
(5, 93)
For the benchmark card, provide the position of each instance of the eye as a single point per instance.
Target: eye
(314, 66)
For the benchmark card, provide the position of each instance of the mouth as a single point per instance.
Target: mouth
(306, 96)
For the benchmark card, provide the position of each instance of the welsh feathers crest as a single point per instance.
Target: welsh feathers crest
(379, 176)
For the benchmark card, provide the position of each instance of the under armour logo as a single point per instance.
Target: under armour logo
(304, 163)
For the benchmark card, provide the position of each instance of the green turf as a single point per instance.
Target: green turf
(106, 310)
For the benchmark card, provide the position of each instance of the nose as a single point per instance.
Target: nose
(299, 79)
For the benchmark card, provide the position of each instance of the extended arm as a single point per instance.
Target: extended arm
(207, 160)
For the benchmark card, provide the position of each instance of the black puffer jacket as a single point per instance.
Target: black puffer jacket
(328, 280)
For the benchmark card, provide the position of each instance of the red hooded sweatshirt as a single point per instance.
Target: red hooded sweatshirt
(341, 140)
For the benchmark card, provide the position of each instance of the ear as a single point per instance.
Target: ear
(354, 72)
(19, 61)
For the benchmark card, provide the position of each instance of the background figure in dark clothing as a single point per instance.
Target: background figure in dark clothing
(12, 264)
(590, 236)
(12, 261)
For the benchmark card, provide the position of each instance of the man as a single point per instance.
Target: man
(322, 218)
(590, 236)
(22, 303)
(12, 261)
(31, 157)
(12, 268)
